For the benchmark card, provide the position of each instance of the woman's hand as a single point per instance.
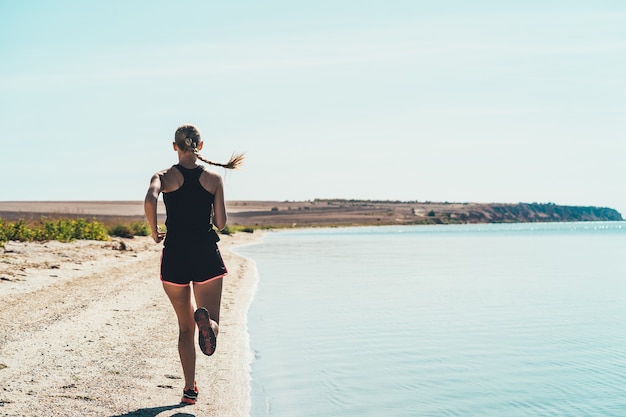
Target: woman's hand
(158, 235)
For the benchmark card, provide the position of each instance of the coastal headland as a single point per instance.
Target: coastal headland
(327, 212)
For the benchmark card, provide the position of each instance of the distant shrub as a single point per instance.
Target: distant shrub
(20, 231)
(94, 230)
(63, 230)
(231, 229)
(140, 228)
(66, 230)
(274, 208)
(3, 232)
(121, 230)
(228, 230)
(431, 213)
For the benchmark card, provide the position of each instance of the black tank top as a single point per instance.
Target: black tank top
(188, 210)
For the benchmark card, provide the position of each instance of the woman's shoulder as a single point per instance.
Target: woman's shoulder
(171, 178)
(207, 173)
(163, 171)
(210, 180)
(169, 171)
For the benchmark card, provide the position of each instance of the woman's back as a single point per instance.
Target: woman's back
(189, 209)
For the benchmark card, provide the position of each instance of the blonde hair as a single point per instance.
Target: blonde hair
(187, 138)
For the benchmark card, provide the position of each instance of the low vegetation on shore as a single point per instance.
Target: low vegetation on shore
(64, 230)
(68, 229)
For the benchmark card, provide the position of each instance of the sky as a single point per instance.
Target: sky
(411, 100)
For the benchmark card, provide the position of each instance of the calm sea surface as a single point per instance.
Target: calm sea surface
(472, 320)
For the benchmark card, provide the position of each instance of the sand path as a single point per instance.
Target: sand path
(86, 330)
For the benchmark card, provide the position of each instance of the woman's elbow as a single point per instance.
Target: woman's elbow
(150, 202)
(220, 221)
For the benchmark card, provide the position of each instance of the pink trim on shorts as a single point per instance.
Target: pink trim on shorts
(195, 282)
(173, 283)
(210, 279)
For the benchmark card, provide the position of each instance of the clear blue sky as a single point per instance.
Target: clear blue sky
(485, 101)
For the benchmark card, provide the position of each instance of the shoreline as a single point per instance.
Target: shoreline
(87, 330)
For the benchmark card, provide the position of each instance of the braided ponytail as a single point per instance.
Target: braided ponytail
(235, 161)
(187, 137)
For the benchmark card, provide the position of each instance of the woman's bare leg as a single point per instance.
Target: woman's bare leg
(209, 296)
(180, 297)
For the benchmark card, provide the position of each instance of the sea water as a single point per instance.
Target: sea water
(463, 320)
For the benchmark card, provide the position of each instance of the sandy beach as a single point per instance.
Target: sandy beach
(86, 330)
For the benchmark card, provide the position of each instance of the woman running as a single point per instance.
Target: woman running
(194, 204)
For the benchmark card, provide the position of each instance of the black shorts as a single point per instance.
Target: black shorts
(198, 263)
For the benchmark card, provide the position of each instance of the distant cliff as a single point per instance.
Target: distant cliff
(534, 212)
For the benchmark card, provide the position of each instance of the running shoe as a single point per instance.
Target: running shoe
(190, 396)
(206, 335)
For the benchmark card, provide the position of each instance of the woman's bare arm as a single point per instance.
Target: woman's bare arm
(150, 207)
(219, 207)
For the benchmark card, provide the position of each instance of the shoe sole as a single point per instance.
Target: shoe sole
(205, 332)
